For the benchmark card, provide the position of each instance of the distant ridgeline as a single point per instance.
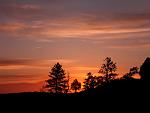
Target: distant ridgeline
(145, 70)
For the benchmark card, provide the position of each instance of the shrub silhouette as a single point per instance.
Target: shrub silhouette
(132, 72)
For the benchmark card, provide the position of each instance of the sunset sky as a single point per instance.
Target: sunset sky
(80, 34)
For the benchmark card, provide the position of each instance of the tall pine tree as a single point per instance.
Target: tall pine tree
(57, 83)
(108, 69)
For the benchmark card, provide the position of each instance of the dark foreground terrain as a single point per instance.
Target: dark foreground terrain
(118, 95)
(124, 90)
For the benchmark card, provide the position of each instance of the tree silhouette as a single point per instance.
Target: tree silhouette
(108, 69)
(43, 89)
(132, 72)
(90, 81)
(99, 80)
(145, 70)
(75, 85)
(57, 82)
(67, 89)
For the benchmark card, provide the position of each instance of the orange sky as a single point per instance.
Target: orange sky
(80, 34)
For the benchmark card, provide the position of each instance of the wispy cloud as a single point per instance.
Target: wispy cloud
(7, 62)
(19, 10)
(81, 27)
(31, 63)
(144, 45)
(25, 6)
(10, 27)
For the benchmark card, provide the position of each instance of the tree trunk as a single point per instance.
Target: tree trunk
(56, 87)
(107, 76)
(75, 90)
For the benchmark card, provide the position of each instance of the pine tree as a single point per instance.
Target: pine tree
(108, 69)
(90, 81)
(57, 82)
(75, 85)
(67, 87)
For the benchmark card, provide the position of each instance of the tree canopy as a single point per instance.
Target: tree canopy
(75, 85)
(108, 69)
(57, 82)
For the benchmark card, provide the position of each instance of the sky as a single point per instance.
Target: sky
(80, 34)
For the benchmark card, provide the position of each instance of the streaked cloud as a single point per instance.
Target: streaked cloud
(19, 11)
(143, 45)
(80, 27)
(10, 64)
(7, 62)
